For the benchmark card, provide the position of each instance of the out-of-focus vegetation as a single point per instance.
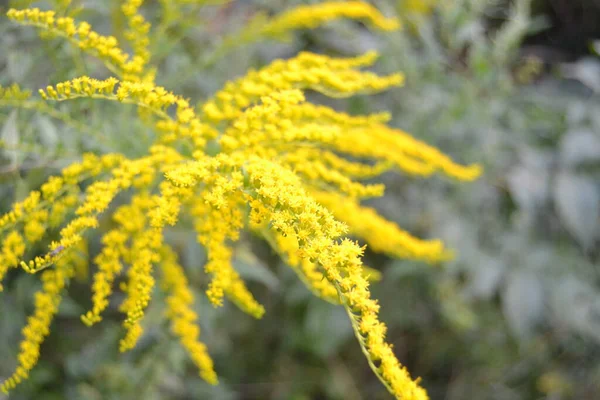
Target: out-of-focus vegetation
(516, 314)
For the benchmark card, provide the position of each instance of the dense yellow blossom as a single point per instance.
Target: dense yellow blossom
(20, 209)
(405, 152)
(291, 171)
(98, 197)
(11, 252)
(329, 159)
(145, 246)
(336, 77)
(183, 318)
(38, 325)
(148, 97)
(293, 213)
(109, 266)
(219, 219)
(106, 48)
(309, 272)
(317, 173)
(143, 254)
(35, 225)
(261, 126)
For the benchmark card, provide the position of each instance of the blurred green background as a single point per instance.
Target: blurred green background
(516, 315)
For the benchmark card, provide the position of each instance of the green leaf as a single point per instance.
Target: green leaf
(523, 302)
(48, 133)
(10, 139)
(578, 204)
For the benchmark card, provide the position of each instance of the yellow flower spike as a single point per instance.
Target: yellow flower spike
(312, 16)
(62, 206)
(350, 169)
(105, 48)
(19, 209)
(336, 77)
(341, 262)
(98, 197)
(281, 26)
(318, 174)
(263, 126)
(180, 311)
(381, 235)
(145, 246)
(137, 34)
(38, 325)
(323, 114)
(309, 273)
(11, 251)
(353, 289)
(405, 152)
(35, 225)
(149, 98)
(109, 266)
(14, 93)
(216, 222)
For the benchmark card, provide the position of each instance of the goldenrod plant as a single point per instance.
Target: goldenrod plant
(256, 156)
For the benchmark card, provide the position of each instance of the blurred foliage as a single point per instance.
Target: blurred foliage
(516, 315)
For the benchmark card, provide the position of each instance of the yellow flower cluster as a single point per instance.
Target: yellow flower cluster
(380, 234)
(38, 325)
(11, 252)
(130, 220)
(218, 220)
(137, 33)
(139, 287)
(183, 318)
(79, 87)
(148, 97)
(309, 272)
(312, 16)
(14, 92)
(281, 26)
(278, 197)
(403, 151)
(98, 196)
(334, 77)
(291, 171)
(261, 127)
(30, 218)
(105, 48)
